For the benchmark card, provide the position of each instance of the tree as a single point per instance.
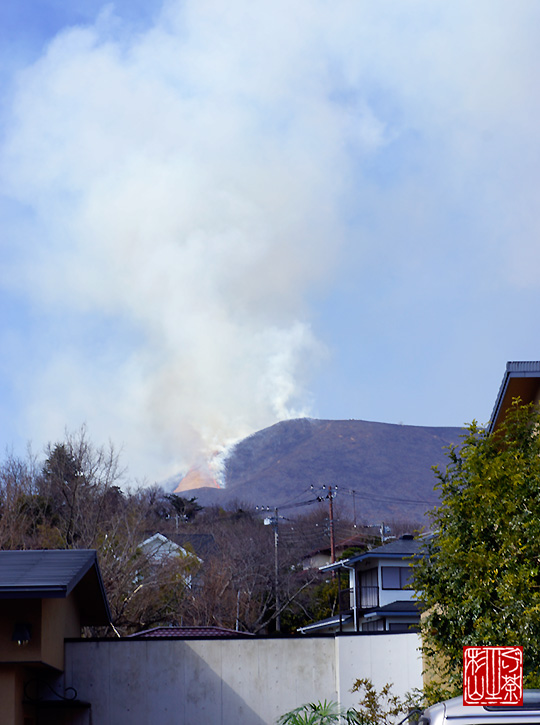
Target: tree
(18, 519)
(480, 579)
(185, 508)
(236, 586)
(76, 496)
(79, 483)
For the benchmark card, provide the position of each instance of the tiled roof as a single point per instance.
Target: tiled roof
(188, 632)
(400, 548)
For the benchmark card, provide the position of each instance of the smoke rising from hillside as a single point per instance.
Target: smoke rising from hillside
(178, 197)
(185, 189)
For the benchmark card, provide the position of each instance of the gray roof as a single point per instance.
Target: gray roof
(202, 544)
(56, 573)
(400, 548)
(399, 608)
(329, 622)
(188, 633)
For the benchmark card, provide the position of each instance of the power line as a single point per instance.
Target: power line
(385, 499)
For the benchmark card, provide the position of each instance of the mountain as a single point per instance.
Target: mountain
(382, 471)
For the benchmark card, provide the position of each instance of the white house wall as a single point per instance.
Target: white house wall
(232, 682)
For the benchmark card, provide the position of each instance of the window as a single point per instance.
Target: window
(395, 577)
(400, 627)
(368, 578)
(368, 590)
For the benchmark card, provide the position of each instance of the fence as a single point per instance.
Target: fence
(248, 681)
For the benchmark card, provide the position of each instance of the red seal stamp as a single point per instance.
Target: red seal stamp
(493, 676)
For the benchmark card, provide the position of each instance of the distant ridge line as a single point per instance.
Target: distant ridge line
(387, 465)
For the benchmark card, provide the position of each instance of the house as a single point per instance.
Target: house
(174, 632)
(521, 380)
(378, 598)
(159, 550)
(45, 597)
(159, 547)
(203, 545)
(318, 558)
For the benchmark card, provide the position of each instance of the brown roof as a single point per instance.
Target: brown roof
(189, 632)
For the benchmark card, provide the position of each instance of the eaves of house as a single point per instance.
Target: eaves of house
(520, 380)
(400, 548)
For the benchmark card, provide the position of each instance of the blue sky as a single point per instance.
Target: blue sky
(218, 215)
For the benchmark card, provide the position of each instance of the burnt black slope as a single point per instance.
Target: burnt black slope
(385, 464)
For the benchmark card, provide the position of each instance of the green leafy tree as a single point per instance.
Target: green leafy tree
(480, 579)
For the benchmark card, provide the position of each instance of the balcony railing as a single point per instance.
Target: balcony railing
(346, 600)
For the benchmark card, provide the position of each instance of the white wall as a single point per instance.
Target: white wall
(233, 681)
(383, 658)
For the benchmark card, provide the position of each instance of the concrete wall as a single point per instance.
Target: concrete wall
(383, 658)
(234, 681)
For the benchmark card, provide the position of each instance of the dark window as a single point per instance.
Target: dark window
(368, 578)
(390, 577)
(399, 627)
(368, 592)
(395, 577)
(406, 576)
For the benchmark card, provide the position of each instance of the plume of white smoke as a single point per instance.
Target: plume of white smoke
(186, 188)
(182, 191)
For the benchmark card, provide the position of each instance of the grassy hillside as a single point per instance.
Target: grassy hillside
(388, 466)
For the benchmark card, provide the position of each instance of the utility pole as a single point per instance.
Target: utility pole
(331, 512)
(274, 521)
(276, 570)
